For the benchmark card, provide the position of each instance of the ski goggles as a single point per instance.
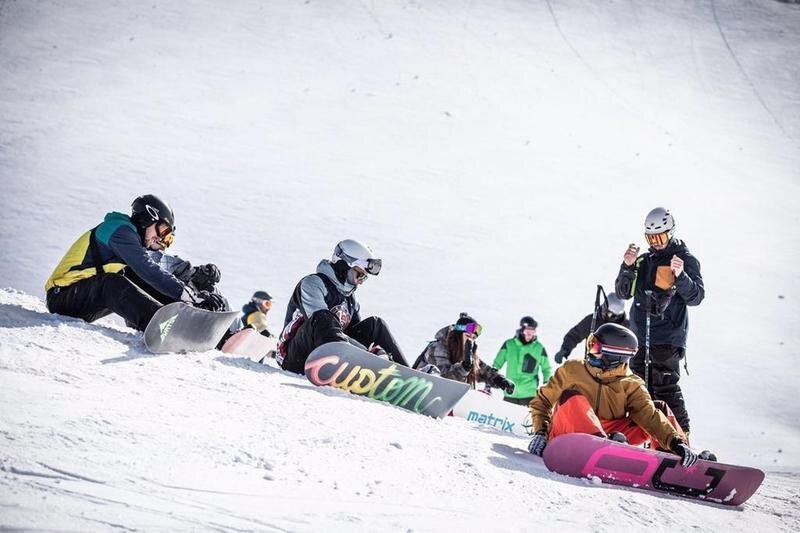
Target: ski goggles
(370, 266)
(612, 355)
(472, 328)
(658, 239)
(266, 303)
(165, 233)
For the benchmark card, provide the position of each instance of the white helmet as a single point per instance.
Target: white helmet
(357, 254)
(659, 226)
(615, 304)
(658, 220)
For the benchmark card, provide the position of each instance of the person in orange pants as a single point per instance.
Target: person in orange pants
(601, 396)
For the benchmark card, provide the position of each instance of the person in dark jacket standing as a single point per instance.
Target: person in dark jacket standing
(611, 311)
(662, 282)
(323, 308)
(109, 269)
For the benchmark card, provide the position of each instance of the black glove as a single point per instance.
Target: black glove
(538, 443)
(499, 381)
(688, 457)
(210, 301)
(509, 387)
(205, 277)
(561, 355)
(469, 350)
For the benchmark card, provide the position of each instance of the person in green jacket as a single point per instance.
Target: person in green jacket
(526, 359)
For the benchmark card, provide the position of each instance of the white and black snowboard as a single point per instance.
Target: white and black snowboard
(178, 327)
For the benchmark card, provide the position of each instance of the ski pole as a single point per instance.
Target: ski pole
(647, 308)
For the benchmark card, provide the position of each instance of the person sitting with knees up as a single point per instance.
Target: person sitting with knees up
(454, 355)
(254, 312)
(601, 396)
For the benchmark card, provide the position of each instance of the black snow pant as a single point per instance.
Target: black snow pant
(665, 371)
(323, 327)
(101, 295)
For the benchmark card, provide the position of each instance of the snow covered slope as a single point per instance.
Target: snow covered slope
(96, 434)
(498, 157)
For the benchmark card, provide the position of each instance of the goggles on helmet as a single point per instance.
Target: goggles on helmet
(370, 266)
(473, 328)
(165, 233)
(658, 239)
(607, 355)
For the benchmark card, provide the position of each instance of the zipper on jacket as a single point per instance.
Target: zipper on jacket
(597, 402)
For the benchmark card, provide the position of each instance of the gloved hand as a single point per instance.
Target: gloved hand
(210, 301)
(469, 352)
(375, 349)
(688, 457)
(561, 355)
(205, 277)
(538, 443)
(501, 382)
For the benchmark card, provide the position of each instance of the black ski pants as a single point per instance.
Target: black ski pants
(101, 295)
(665, 371)
(323, 327)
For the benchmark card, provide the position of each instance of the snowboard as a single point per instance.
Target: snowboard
(250, 343)
(179, 327)
(582, 455)
(347, 367)
(482, 409)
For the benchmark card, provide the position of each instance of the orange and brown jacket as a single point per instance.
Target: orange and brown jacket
(613, 394)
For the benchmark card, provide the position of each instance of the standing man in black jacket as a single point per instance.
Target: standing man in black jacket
(662, 281)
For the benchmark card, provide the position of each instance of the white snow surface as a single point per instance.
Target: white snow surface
(499, 157)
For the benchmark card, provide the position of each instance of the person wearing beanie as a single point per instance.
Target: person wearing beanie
(454, 355)
(526, 360)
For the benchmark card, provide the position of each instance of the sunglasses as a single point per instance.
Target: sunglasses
(165, 234)
(472, 328)
(658, 239)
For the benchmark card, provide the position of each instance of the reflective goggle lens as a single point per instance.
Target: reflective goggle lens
(472, 328)
(658, 239)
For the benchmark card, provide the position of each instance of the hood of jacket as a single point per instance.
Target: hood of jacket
(325, 268)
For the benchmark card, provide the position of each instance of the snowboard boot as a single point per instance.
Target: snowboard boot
(616, 436)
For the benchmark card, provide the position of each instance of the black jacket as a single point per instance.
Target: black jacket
(668, 324)
(582, 329)
(323, 290)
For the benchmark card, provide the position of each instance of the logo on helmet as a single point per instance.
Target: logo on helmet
(152, 211)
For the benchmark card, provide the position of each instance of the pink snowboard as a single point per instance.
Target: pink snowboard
(250, 343)
(581, 455)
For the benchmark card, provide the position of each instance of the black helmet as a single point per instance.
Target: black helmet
(611, 345)
(149, 209)
(528, 322)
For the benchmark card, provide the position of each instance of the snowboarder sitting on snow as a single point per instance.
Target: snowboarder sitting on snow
(323, 308)
(601, 397)
(526, 359)
(613, 310)
(108, 269)
(454, 355)
(254, 312)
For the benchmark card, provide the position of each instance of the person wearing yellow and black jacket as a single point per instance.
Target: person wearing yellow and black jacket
(662, 282)
(254, 313)
(601, 397)
(90, 281)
